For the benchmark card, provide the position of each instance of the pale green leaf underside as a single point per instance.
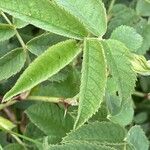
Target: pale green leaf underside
(99, 132)
(91, 12)
(11, 63)
(50, 119)
(6, 32)
(125, 112)
(41, 43)
(137, 138)
(120, 68)
(46, 65)
(93, 80)
(128, 36)
(46, 15)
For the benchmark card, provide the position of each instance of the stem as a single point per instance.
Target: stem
(140, 94)
(44, 99)
(9, 103)
(22, 136)
(111, 6)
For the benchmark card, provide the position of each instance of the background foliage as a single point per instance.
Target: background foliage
(74, 74)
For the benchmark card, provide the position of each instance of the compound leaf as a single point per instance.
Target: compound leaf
(93, 80)
(46, 65)
(49, 17)
(92, 13)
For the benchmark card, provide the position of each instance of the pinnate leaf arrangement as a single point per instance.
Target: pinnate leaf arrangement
(72, 67)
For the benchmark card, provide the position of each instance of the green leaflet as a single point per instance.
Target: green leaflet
(46, 65)
(120, 68)
(19, 23)
(11, 63)
(46, 15)
(128, 36)
(146, 36)
(137, 138)
(41, 43)
(100, 132)
(92, 13)
(143, 7)
(122, 114)
(93, 80)
(80, 146)
(6, 124)
(6, 32)
(50, 119)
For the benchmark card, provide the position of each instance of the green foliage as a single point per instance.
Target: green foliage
(126, 34)
(93, 80)
(41, 43)
(11, 63)
(46, 15)
(71, 77)
(92, 13)
(44, 66)
(137, 138)
(6, 32)
(143, 7)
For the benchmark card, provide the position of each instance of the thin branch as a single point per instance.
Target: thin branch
(67, 101)
(111, 6)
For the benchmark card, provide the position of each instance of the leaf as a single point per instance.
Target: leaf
(79, 146)
(122, 114)
(11, 63)
(137, 138)
(146, 42)
(143, 8)
(140, 64)
(49, 118)
(93, 80)
(6, 124)
(6, 32)
(14, 146)
(46, 65)
(41, 43)
(97, 132)
(92, 13)
(46, 15)
(120, 68)
(128, 36)
(19, 23)
(122, 15)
